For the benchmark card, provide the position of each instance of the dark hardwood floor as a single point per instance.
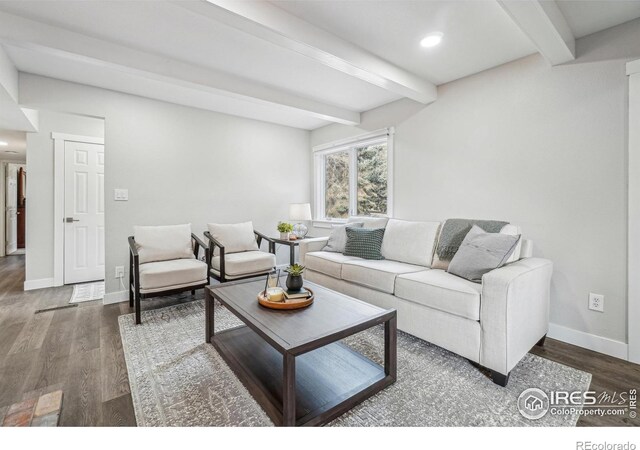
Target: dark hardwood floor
(79, 351)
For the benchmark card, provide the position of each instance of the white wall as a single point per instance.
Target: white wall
(543, 147)
(39, 238)
(182, 164)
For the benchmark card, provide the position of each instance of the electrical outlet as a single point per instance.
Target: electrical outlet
(119, 271)
(596, 302)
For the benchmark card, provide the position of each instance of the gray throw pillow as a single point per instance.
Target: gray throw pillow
(338, 237)
(364, 243)
(481, 252)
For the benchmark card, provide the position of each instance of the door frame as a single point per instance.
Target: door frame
(59, 140)
(633, 230)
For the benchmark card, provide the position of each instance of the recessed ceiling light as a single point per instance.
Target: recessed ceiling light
(3, 144)
(431, 39)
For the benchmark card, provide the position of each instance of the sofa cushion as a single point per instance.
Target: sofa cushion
(378, 275)
(328, 263)
(243, 263)
(176, 272)
(338, 237)
(410, 242)
(440, 290)
(364, 243)
(163, 243)
(369, 221)
(235, 237)
(481, 252)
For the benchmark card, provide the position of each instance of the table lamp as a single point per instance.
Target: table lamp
(299, 212)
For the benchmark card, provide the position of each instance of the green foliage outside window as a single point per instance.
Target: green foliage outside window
(371, 182)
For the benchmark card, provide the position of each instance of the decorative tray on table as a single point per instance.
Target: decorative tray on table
(287, 303)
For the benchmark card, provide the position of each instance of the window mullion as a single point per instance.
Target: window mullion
(353, 182)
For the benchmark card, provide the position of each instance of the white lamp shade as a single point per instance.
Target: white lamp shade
(299, 211)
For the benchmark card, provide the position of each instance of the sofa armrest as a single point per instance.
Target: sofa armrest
(514, 311)
(311, 245)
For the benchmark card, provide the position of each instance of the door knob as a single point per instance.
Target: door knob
(71, 219)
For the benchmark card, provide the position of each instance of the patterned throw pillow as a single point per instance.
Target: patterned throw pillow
(365, 243)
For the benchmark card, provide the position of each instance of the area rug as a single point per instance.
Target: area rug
(178, 380)
(87, 292)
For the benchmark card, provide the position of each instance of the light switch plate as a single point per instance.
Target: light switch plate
(121, 195)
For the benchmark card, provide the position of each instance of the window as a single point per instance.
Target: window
(354, 178)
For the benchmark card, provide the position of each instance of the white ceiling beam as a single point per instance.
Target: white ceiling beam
(544, 24)
(12, 117)
(268, 22)
(24, 33)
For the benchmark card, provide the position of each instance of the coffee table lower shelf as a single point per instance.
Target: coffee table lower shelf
(328, 381)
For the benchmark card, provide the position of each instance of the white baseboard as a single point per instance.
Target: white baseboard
(42, 283)
(598, 344)
(115, 297)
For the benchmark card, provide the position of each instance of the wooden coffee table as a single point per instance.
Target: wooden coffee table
(292, 361)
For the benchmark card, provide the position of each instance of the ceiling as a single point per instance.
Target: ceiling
(477, 35)
(587, 17)
(17, 141)
(298, 63)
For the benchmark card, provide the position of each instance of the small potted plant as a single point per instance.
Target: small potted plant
(284, 228)
(294, 279)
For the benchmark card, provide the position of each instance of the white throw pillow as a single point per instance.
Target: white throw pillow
(410, 242)
(338, 237)
(369, 222)
(513, 230)
(163, 243)
(235, 237)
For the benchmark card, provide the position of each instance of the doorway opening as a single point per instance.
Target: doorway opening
(13, 179)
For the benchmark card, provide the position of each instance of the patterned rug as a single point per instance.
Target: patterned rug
(87, 292)
(178, 380)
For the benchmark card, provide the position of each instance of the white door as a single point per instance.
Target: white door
(11, 206)
(84, 212)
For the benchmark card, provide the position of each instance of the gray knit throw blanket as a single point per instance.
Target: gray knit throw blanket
(455, 230)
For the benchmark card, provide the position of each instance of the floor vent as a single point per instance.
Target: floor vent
(55, 308)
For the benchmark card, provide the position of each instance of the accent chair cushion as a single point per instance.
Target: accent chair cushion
(244, 263)
(235, 237)
(338, 237)
(410, 242)
(163, 275)
(481, 252)
(163, 243)
(328, 263)
(364, 243)
(378, 275)
(442, 291)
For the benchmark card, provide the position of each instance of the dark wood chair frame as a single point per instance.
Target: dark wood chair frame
(213, 243)
(134, 275)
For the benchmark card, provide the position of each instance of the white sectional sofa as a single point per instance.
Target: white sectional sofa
(494, 323)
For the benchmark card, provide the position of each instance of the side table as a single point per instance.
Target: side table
(292, 246)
